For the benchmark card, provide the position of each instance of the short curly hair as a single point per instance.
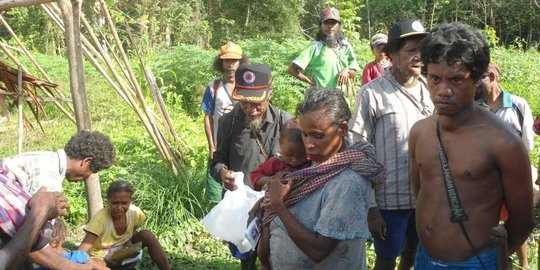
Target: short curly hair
(457, 42)
(91, 144)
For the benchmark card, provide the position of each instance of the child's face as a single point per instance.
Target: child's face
(119, 204)
(293, 154)
(378, 52)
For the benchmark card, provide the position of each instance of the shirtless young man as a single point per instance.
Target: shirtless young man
(487, 160)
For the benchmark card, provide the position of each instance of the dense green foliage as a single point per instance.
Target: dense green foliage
(210, 23)
(175, 204)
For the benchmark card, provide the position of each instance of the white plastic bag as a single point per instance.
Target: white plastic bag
(228, 219)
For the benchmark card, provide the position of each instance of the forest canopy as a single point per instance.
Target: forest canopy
(210, 23)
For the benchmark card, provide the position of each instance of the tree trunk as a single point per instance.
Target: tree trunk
(71, 17)
(167, 36)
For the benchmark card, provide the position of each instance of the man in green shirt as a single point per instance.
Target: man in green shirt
(330, 58)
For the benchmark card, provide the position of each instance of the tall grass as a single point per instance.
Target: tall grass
(175, 204)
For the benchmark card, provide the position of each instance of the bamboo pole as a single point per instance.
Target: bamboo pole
(125, 91)
(150, 79)
(90, 52)
(169, 155)
(28, 54)
(120, 86)
(18, 63)
(20, 108)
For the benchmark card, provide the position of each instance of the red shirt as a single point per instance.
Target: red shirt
(270, 167)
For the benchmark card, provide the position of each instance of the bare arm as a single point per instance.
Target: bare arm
(514, 166)
(43, 206)
(261, 182)
(48, 258)
(316, 246)
(10, 255)
(88, 242)
(294, 70)
(209, 131)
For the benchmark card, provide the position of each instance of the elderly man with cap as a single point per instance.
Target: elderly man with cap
(514, 111)
(217, 100)
(375, 68)
(386, 109)
(249, 134)
(330, 58)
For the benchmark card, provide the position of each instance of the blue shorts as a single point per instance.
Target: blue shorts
(425, 262)
(400, 225)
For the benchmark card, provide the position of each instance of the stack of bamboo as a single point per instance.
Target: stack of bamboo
(51, 90)
(113, 63)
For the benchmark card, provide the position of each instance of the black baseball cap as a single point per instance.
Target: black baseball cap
(406, 28)
(253, 83)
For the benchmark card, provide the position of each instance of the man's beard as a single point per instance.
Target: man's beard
(332, 40)
(255, 125)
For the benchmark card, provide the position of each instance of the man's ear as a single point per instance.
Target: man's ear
(492, 77)
(87, 160)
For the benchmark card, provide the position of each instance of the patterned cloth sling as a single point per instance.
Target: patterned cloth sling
(360, 157)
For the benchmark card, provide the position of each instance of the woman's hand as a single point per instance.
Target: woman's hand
(256, 211)
(376, 224)
(278, 190)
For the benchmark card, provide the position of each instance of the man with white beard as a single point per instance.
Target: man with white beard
(330, 58)
(249, 134)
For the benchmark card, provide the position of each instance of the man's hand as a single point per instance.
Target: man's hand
(227, 179)
(52, 204)
(376, 224)
(343, 76)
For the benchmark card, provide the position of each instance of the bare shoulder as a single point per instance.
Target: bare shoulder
(500, 136)
(423, 125)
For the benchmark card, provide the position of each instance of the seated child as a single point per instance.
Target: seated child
(58, 237)
(293, 157)
(112, 233)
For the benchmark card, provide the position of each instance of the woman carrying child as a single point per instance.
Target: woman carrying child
(317, 216)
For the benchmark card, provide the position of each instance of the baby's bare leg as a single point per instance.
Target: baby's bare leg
(263, 248)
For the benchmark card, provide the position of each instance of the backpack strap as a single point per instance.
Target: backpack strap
(215, 87)
(520, 117)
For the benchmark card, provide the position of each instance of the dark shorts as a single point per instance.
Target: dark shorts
(400, 224)
(425, 262)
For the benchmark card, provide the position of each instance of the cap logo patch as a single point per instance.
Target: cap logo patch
(417, 26)
(249, 77)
